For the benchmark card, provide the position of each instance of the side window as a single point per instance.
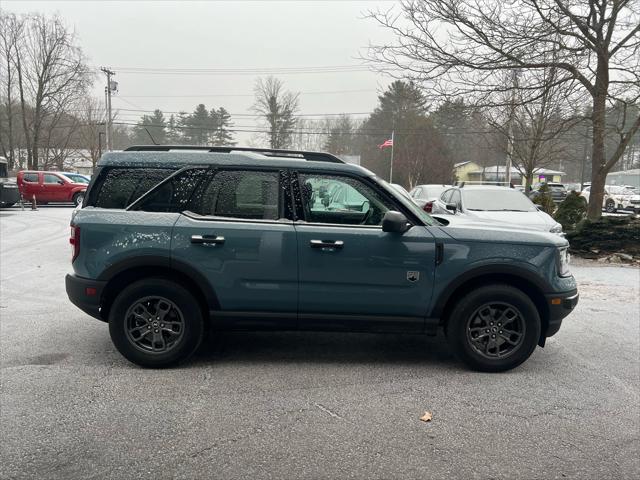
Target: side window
(243, 194)
(341, 200)
(119, 187)
(50, 178)
(446, 196)
(30, 177)
(174, 194)
(417, 192)
(455, 198)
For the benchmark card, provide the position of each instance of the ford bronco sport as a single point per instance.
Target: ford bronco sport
(170, 242)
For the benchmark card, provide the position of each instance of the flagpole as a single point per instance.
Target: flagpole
(391, 166)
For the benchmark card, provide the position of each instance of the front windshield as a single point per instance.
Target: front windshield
(426, 218)
(428, 193)
(507, 200)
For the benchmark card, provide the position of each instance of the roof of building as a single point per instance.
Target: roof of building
(503, 168)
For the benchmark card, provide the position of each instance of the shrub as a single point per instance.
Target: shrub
(544, 199)
(571, 211)
(607, 235)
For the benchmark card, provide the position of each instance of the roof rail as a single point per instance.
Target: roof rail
(271, 152)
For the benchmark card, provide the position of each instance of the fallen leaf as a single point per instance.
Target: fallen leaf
(426, 417)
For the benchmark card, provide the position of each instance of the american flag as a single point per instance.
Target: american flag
(387, 143)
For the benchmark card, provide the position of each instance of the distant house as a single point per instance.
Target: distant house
(626, 177)
(496, 173)
(462, 170)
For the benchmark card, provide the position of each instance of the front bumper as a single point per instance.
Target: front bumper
(85, 294)
(560, 305)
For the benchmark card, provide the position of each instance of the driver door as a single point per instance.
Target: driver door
(352, 275)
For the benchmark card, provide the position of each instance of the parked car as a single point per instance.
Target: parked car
(77, 177)
(495, 204)
(557, 190)
(9, 193)
(425, 195)
(616, 198)
(401, 189)
(233, 240)
(51, 187)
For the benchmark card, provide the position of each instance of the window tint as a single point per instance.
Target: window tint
(30, 177)
(50, 178)
(341, 200)
(119, 187)
(244, 194)
(174, 194)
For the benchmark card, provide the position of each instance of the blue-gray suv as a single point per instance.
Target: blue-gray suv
(174, 241)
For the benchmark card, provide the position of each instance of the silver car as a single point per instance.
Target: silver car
(494, 204)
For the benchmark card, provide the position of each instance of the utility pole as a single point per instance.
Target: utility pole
(507, 173)
(111, 87)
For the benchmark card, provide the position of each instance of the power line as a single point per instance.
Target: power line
(329, 92)
(247, 70)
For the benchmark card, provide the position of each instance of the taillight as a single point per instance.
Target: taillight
(74, 240)
(428, 207)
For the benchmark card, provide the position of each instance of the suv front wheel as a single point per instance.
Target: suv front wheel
(156, 323)
(494, 328)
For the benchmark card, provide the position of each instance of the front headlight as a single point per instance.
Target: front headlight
(563, 262)
(557, 228)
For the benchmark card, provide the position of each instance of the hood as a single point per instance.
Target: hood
(476, 230)
(529, 220)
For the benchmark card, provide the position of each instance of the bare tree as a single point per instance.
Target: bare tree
(459, 48)
(92, 118)
(51, 75)
(533, 131)
(10, 32)
(277, 108)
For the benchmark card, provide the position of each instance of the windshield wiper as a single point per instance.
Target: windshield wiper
(507, 210)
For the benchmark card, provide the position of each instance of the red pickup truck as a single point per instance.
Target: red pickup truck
(58, 187)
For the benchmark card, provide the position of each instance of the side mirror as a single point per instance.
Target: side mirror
(452, 207)
(61, 182)
(395, 222)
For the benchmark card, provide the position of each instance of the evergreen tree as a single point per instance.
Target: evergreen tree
(419, 155)
(221, 121)
(151, 129)
(198, 127)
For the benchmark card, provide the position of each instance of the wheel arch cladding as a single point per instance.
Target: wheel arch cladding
(445, 305)
(197, 286)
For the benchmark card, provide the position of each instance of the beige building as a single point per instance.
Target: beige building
(462, 170)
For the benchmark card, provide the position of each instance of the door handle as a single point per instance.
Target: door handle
(326, 244)
(207, 239)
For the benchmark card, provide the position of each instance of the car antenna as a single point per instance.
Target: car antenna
(150, 136)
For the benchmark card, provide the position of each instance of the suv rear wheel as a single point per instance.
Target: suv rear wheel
(494, 328)
(156, 323)
(78, 198)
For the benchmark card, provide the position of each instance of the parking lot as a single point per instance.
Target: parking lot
(291, 405)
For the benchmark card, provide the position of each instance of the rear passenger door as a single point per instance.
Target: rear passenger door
(239, 236)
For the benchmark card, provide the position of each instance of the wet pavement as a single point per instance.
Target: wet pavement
(293, 405)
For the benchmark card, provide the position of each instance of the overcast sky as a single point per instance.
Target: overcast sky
(224, 34)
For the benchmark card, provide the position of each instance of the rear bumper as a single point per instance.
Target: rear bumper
(560, 305)
(85, 294)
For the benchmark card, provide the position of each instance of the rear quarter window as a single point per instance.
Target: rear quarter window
(117, 187)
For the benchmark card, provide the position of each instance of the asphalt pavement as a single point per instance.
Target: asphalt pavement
(292, 405)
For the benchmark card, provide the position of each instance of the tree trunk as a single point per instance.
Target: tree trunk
(598, 159)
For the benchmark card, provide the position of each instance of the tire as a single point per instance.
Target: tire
(610, 206)
(485, 305)
(178, 324)
(78, 198)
